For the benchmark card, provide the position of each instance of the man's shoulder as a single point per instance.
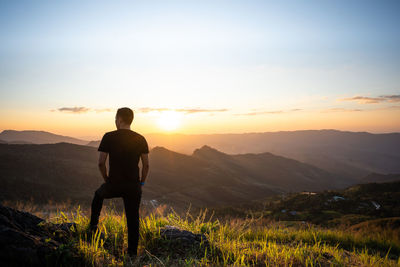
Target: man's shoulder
(138, 134)
(108, 134)
(116, 132)
(111, 132)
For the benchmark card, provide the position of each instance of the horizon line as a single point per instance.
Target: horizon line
(192, 134)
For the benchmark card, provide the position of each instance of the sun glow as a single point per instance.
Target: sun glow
(169, 120)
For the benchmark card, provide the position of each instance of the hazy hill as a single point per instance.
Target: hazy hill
(381, 178)
(94, 143)
(37, 137)
(208, 177)
(282, 173)
(349, 154)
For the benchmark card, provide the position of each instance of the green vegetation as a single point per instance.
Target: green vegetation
(250, 241)
(340, 208)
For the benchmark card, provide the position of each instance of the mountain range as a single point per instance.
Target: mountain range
(207, 177)
(36, 137)
(351, 155)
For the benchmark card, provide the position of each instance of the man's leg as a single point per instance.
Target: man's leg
(106, 190)
(132, 204)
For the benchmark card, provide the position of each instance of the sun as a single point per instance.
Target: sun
(169, 120)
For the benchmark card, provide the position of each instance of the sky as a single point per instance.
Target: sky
(200, 66)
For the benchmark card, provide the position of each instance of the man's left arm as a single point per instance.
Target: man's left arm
(102, 165)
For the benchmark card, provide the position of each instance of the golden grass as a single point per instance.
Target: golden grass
(236, 242)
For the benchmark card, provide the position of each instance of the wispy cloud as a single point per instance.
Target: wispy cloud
(187, 111)
(373, 100)
(255, 113)
(183, 110)
(80, 110)
(147, 109)
(359, 110)
(391, 98)
(77, 110)
(341, 110)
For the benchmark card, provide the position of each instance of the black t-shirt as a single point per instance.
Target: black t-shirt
(124, 147)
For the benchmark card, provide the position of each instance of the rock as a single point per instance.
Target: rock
(27, 240)
(184, 237)
(176, 244)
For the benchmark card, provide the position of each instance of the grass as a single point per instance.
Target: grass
(236, 242)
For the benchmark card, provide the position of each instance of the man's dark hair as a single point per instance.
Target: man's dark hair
(126, 114)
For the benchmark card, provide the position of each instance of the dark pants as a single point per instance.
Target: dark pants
(131, 193)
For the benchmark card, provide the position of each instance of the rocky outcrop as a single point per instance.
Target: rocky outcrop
(184, 237)
(177, 243)
(27, 240)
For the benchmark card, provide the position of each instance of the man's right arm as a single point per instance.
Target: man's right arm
(145, 166)
(102, 165)
(104, 150)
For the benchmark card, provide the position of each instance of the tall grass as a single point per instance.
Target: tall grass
(236, 242)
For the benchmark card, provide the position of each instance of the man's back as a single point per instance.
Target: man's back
(124, 147)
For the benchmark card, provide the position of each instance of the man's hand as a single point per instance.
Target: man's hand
(102, 165)
(145, 166)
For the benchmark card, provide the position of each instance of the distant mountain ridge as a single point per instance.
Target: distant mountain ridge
(343, 153)
(348, 154)
(37, 137)
(206, 178)
(280, 172)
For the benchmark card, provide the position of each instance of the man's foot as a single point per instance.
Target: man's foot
(132, 254)
(131, 257)
(91, 229)
(91, 232)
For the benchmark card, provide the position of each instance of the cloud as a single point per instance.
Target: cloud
(80, 110)
(391, 98)
(373, 100)
(76, 110)
(364, 99)
(341, 110)
(357, 110)
(184, 110)
(267, 112)
(147, 109)
(188, 111)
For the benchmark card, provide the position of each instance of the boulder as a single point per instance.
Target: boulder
(27, 240)
(184, 237)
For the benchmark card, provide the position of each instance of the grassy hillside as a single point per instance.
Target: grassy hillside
(322, 232)
(251, 241)
(340, 208)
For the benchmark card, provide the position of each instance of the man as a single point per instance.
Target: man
(125, 148)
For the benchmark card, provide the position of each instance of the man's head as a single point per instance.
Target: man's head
(123, 118)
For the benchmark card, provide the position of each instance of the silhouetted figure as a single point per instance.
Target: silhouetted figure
(125, 148)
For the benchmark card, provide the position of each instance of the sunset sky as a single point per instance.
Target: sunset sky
(200, 66)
